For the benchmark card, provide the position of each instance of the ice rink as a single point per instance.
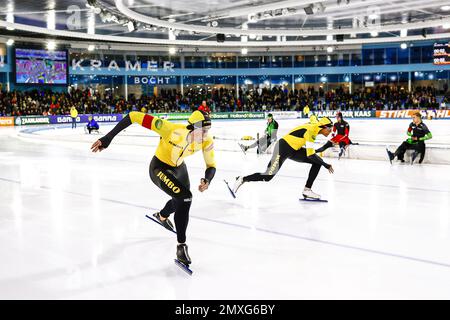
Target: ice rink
(73, 226)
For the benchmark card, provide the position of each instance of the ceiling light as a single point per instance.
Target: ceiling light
(51, 20)
(10, 42)
(244, 50)
(405, 17)
(131, 26)
(403, 32)
(445, 8)
(172, 50)
(51, 45)
(10, 19)
(330, 37)
(91, 47)
(330, 49)
(403, 45)
(374, 33)
(172, 35)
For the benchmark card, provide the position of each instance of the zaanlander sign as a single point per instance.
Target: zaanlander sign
(28, 120)
(346, 114)
(98, 65)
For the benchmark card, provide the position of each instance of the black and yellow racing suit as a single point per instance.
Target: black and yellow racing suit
(167, 168)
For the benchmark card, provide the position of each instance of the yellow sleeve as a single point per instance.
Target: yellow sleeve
(208, 152)
(162, 127)
(309, 143)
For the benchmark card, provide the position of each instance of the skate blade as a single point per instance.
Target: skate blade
(231, 191)
(183, 267)
(156, 221)
(389, 156)
(312, 200)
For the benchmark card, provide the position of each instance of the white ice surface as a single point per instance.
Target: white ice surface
(73, 226)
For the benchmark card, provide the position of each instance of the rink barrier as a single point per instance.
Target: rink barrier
(434, 154)
(279, 115)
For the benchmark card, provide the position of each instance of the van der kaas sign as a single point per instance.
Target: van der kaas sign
(98, 65)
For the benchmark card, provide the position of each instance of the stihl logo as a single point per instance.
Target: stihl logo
(168, 182)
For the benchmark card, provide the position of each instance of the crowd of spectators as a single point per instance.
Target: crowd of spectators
(220, 100)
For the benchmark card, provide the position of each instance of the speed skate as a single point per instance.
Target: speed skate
(178, 263)
(312, 200)
(159, 223)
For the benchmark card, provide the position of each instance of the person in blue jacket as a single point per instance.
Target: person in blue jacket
(92, 125)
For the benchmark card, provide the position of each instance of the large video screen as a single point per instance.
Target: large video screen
(41, 67)
(441, 54)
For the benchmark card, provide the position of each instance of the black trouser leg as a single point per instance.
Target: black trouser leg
(400, 152)
(327, 145)
(300, 156)
(282, 151)
(175, 182)
(420, 148)
(168, 209)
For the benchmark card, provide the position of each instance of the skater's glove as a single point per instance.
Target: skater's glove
(204, 184)
(330, 168)
(100, 144)
(105, 141)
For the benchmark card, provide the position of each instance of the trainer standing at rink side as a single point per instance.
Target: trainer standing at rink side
(74, 115)
(297, 145)
(417, 133)
(167, 168)
(270, 136)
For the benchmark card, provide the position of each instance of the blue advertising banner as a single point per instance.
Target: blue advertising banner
(84, 118)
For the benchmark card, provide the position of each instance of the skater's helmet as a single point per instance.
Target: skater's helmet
(199, 119)
(339, 114)
(325, 122)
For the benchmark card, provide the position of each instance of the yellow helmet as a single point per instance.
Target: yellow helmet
(325, 122)
(198, 119)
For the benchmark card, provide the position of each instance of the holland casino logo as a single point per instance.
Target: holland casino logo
(168, 182)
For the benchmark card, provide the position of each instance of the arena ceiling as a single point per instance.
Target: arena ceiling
(243, 23)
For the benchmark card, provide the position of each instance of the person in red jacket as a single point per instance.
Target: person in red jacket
(341, 131)
(204, 108)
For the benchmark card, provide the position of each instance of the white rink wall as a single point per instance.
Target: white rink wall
(373, 135)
